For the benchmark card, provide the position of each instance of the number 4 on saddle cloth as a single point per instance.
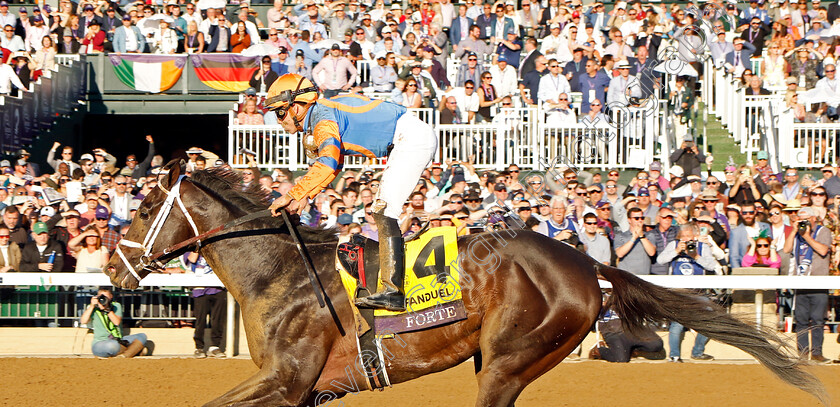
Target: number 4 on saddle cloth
(432, 289)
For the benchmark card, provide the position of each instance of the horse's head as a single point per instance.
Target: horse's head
(161, 221)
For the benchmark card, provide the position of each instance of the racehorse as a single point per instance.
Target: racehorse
(530, 300)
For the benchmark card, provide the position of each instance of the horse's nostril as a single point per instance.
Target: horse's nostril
(111, 270)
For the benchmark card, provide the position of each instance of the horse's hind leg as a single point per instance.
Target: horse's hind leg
(512, 357)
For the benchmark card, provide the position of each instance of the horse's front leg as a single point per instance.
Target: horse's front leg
(286, 378)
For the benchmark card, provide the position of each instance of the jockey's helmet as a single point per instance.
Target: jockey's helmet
(288, 89)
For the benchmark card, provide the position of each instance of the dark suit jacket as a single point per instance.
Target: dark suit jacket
(455, 29)
(270, 77)
(746, 53)
(758, 41)
(486, 25)
(653, 45)
(576, 72)
(529, 64)
(74, 47)
(761, 92)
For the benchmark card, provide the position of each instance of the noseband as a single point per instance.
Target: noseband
(148, 262)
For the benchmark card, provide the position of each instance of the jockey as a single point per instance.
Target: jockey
(355, 125)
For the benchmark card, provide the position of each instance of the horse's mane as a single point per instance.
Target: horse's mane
(227, 185)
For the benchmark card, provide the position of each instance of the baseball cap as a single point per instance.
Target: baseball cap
(656, 166)
(499, 187)
(345, 219)
(501, 58)
(38, 18)
(199, 150)
(22, 10)
(4, 4)
(21, 162)
(762, 155)
(48, 211)
(677, 171)
(5, 163)
(601, 204)
(554, 25)
(101, 212)
(705, 216)
(335, 46)
(299, 53)
(86, 156)
(94, 22)
(39, 227)
(643, 192)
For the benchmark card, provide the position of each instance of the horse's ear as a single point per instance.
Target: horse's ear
(172, 171)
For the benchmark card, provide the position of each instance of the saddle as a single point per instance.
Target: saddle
(433, 296)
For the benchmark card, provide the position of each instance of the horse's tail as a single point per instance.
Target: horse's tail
(637, 301)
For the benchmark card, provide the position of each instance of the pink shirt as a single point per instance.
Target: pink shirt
(750, 259)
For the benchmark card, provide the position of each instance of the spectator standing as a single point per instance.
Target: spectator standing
(810, 245)
(687, 256)
(665, 232)
(504, 77)
(42, 254)
(264, 77)
(532, 80)
(470, 71)
(635, 247)
(596, 244)
(460, 26)
(208, 301)
(94, 41)
(12, 220)
(740, 236)
(88, 251)
(9, 253)
(336, 69)
(593, 86)
(472, 45)
(553, 84)
(44, 58)
(110, 238)
(688, 156)
(128, 38)
(11, 41)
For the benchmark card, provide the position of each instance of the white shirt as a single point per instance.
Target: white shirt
(559, 118)
(618, 89)
(552, 86)
(832, 87)
(8, 77)
(504, 81)
(465, 103)
(194, 17)
(13, 44)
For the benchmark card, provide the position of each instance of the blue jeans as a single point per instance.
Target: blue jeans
(675, 337)
(110, 348)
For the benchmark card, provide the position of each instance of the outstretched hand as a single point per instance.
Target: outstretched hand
(285, 202)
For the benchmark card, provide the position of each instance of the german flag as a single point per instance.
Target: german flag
(226, 72)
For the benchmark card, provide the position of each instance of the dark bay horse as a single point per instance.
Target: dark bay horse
(530, 301)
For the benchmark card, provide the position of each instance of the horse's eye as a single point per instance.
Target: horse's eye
(144, 214)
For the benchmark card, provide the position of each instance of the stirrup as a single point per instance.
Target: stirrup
(388, 300)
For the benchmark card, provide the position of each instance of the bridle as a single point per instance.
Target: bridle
(147, 260)
(153, 261)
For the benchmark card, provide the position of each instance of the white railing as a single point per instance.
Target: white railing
(461, 141)
(66, 59)
(363, 69)
(810, 145)
(515, 136)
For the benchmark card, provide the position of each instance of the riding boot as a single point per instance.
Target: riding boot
(391, 267)
(131, 350)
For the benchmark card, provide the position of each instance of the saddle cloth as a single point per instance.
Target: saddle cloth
(432, 281)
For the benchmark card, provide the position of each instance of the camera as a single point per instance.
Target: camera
(103, 300)
(802, 227)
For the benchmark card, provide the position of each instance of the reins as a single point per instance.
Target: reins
(173, 196)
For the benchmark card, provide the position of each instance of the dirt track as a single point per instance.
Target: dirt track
(174, 382)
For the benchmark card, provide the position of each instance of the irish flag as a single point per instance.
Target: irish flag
(148, 73)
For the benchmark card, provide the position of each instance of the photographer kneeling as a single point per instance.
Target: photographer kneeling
(687, 256)
(105, 316)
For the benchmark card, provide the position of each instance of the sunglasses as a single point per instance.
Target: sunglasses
(817, 193)
(591, 223)
(122, 183)
(747, 212)
(594, 104)
(457, 202)
(775, 213)
(762, 245)
(637, 217)
(604, 208)
(101, 218)
(469, 87)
